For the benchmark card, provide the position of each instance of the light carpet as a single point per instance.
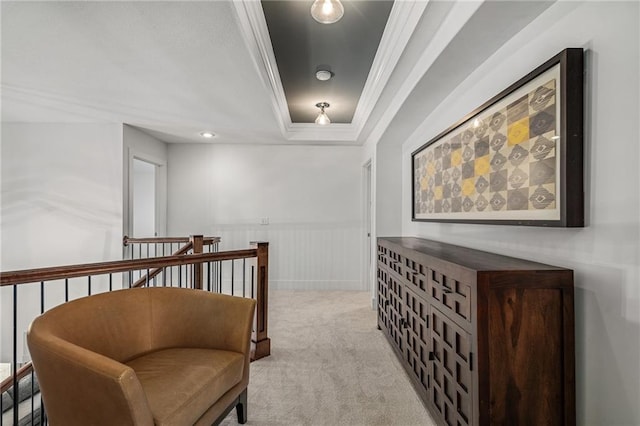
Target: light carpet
(329, 365)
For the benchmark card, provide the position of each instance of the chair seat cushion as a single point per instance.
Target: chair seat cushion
(182, 383)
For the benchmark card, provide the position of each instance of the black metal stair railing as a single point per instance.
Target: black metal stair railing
(239, 272)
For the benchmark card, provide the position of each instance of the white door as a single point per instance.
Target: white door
(144, 199)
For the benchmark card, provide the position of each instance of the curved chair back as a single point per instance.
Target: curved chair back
(79, 348)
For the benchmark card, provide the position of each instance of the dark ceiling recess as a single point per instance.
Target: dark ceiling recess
(303, 46)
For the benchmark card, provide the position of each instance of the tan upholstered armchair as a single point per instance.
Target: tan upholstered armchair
(162, 356)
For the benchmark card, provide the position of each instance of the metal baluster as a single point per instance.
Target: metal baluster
(172, 267)
(208, 276)
(66, 289)
(32, 396)
(110, 282)
(147, 280)
(215, 276)
(220, 278)
(42, 418)
(244, 276)
(233, 271)
(252, 279)
(15, 354)
(180, 276)
(164, 277)
(89, 284)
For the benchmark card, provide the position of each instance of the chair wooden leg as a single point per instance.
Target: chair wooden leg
(241, 407)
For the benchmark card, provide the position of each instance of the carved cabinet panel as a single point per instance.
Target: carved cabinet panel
(451, 354)
(486, 339)
(417, 339)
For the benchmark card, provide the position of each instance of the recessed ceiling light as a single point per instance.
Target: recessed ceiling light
(207, 134)
(324, 75)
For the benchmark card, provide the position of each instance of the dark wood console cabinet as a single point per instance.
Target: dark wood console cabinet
(486, 339)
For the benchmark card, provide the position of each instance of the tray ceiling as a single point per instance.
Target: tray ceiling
(302, 46)
(365, 45)
(177, 68)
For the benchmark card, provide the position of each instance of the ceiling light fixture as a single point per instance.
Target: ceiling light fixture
(324, 75)
(323, 118)
(207, 134)
(327, 11)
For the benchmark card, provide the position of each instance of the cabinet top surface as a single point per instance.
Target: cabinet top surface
(467, 257)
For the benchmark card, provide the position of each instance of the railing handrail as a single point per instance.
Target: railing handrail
(166, 240)
(53, 273)
(8, 382)
(190, 254)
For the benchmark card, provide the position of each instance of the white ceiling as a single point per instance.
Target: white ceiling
(176, 68)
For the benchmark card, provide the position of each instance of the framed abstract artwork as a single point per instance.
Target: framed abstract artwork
(516, 160)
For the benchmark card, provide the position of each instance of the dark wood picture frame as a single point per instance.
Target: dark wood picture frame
(554, 199)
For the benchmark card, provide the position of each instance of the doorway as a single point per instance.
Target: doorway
(369, 245)
(144, 199)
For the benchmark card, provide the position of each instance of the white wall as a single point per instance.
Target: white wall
(605, 255)
(61, 194)
(311, 196)
(388, 197)
(61, 204)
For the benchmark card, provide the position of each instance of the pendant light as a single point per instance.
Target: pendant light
(323, 118)
(327, 11)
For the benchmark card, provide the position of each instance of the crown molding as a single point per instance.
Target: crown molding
(402, 21)
(456, 19)
(255, 32)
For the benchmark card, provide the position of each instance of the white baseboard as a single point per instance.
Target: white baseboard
(351, 285)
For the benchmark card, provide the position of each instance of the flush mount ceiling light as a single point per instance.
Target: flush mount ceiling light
(327, 11)
(323, 118)
(207, 134)
(324, 75)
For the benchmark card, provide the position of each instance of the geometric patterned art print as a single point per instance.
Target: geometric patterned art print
(504, 160)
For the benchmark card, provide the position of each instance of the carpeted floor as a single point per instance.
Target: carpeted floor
(329, 365)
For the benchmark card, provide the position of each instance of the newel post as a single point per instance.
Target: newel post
(198, 243)
(261, 340)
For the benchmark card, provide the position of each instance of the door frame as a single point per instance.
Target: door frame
(160, 192)
(369, 234)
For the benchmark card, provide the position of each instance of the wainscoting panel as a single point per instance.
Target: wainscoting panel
(304, 256)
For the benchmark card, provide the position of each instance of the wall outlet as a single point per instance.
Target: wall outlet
(264, 221)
